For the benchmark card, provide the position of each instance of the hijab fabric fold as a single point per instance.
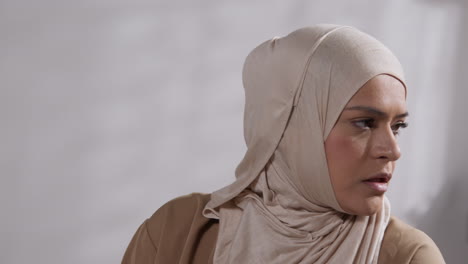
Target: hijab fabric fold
(282, 207)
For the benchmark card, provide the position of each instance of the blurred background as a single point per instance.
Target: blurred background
(111, 108)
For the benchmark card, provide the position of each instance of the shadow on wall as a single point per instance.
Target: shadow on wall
(447, 221)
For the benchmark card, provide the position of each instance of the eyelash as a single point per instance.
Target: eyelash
(369, 123)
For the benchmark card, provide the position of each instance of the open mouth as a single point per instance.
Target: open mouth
(379, 179)
(378, 183)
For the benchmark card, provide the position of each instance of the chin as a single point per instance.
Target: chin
(365, 207)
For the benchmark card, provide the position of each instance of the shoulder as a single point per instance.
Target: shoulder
(177, 213)
(183, 205)
(403, 243)
(162, 236)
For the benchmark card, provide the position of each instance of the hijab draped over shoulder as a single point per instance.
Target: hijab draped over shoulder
(282, 207)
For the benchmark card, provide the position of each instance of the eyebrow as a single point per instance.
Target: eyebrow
(374, 111)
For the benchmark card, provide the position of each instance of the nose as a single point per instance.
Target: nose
(385, 146)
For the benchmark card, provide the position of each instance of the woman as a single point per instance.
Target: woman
(324, 106)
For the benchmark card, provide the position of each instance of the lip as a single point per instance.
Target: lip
(378, 182)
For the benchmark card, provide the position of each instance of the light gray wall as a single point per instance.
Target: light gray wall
(110, 108)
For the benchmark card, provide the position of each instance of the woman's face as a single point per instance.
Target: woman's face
(362, 147)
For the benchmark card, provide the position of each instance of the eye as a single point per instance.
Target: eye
(396, 127)
(364, 123)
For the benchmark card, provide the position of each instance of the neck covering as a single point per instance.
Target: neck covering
(282, 207)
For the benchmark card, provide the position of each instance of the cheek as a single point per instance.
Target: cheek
(343, 152)
(346, 163)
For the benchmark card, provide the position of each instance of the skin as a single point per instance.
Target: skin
(363, 143)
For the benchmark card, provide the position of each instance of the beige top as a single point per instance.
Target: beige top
(178, 233)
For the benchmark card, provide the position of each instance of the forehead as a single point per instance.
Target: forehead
(383, 92)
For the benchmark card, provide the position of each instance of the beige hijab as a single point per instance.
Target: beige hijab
(282, 207)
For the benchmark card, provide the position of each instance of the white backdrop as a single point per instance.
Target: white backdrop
(110, 108)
